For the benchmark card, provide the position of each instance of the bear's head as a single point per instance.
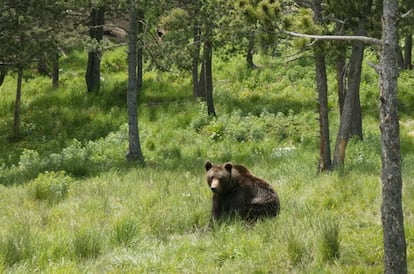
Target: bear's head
(219, 177)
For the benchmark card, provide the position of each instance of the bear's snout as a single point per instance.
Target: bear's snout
(215, 185)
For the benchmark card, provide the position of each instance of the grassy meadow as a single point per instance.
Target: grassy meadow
(70, 203)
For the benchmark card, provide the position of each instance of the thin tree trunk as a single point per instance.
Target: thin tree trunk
(93, 71)
(16, 125)
(195, 61)
(3, 72)
(356, 122)
(408, 45)
(340, 75)
(209, 78)
(141, 15)
(322, 90)
(55, 70)
(134, 152)
(42, 66)
(395, 253)
(250, 49)
(201, 86)
(355, 70)
(351, 117)
(400, 58)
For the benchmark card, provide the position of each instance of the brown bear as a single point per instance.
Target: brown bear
(238, 193)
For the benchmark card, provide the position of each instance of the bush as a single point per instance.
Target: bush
(50, 186)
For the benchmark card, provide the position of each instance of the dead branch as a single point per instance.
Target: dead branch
(365, 39)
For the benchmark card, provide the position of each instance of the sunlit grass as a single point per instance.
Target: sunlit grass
(69, 202)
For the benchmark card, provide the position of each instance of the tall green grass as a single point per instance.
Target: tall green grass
(70, 203)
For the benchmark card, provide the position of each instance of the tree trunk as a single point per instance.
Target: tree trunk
(134, 152)
(322, 90)
(201, 86)
(340, 74)
(42, 67)
(140, 15)
(93, 71)
(3, 72)
(55, 70)
(351, 118)
(16, 125)
(395, 253)
(208, 77)
(408, 45)
(250, 49)
(195, 56)
(400, 58)
(355, 70)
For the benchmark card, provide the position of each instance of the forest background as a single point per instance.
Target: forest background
(70, 200)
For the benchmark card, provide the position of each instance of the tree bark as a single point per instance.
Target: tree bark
(55, 70)
(134, 152)
(201, 86)
(195, 60)
(140, 31)
(340, 75)
(250, 49)
(42, 66)
(3, 72)
(408, 45)
(400, 58)
(322, 90)
(93, 71)
(351, 117)
(395, 260)
(209, 77)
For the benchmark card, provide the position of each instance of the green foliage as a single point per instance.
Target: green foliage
(77, 159)
(405, 96)
(120, 218)
(51, 187)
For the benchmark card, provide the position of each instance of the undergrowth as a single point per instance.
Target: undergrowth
(71, 203)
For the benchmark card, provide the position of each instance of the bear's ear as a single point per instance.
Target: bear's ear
(208, 165)
(228, 166)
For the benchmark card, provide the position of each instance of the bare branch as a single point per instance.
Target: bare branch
(376, 67)
(161, 67)
(407, 13)
(304, 3)
(365, 39)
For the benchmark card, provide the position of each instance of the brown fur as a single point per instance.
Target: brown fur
(237, 192)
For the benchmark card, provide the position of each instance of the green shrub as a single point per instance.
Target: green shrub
(50, 186)
(30, 161)
(200, 121)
